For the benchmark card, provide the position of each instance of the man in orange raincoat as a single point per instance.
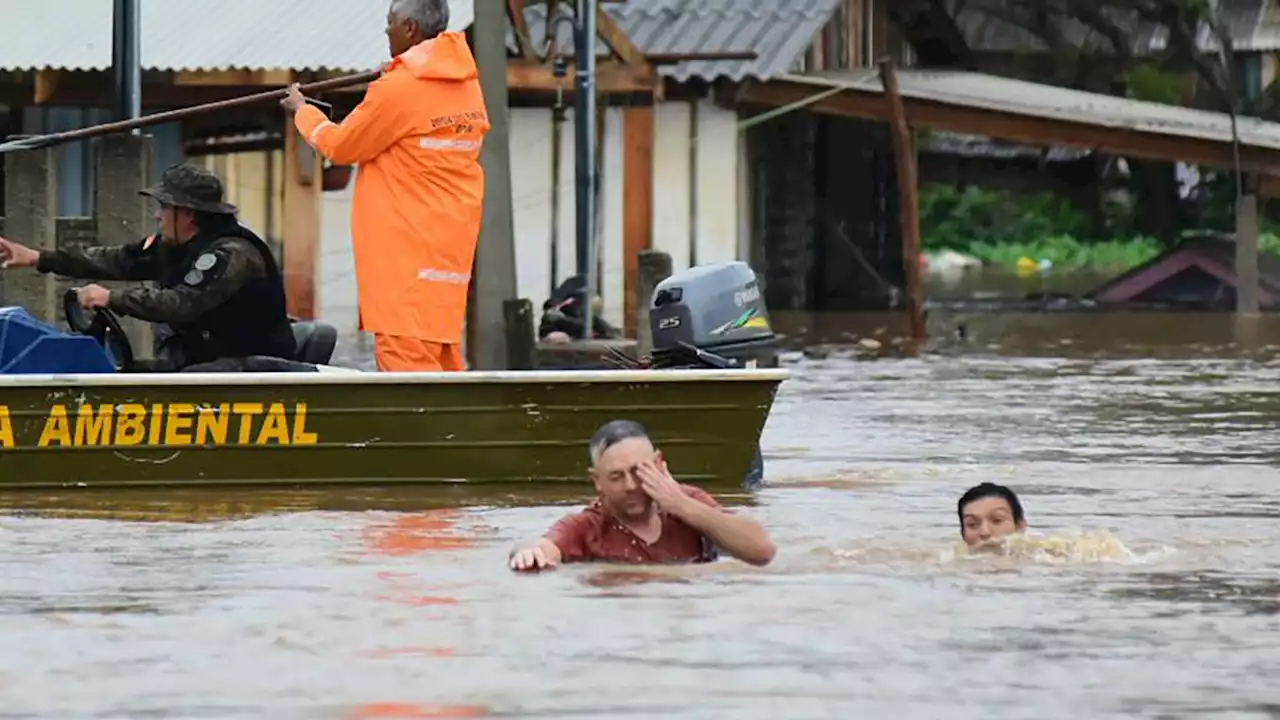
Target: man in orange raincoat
(419, 188)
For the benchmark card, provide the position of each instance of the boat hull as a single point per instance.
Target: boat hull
(285, 429)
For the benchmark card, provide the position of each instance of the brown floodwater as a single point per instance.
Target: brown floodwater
(1144, 447)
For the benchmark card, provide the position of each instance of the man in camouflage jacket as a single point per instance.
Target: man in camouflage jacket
(218, 292)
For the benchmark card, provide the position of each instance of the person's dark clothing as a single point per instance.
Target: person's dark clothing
(221, 294)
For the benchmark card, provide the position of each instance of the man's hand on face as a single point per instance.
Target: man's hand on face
(17, 255)
(530, 559)
(93, 296)
(658, 484)
(294, 100)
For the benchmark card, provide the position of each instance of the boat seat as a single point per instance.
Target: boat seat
(315, 342)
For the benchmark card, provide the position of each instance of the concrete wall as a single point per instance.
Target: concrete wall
(75, 168)
(692, 149)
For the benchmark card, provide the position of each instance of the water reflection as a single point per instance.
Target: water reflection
(1153, 432)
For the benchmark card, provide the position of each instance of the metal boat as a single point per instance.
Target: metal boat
(320, 428)
(74, 414)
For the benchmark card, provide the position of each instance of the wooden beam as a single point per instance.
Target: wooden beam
(1268, 185)
(617, 40)
(637, 205)
(904, 153)
(301, 231)
(869, 104)
(610, 78)
(46, 85)
(280, 77)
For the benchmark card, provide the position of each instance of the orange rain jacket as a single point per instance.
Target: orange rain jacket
(415, 215)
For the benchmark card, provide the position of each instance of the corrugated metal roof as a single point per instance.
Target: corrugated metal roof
(204, 34)
(995, 26)
(1243, 19)
(1266, 34)
(348, 34)
(778, 31)
(1017, 97)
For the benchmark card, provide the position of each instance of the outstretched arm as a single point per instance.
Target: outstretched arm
(369, 130)
(113, 262)
(564, 542)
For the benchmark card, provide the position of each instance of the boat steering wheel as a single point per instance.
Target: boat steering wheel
(103, 326)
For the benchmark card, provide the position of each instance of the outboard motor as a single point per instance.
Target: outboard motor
(713, 316)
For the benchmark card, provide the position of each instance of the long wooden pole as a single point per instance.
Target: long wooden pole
(904, 152)
(43, 141)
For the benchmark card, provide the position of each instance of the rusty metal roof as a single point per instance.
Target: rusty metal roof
(203, 34)
(1032, 100)
(348, 34)
(1266, 28)
(996, 26)
(1244, 22)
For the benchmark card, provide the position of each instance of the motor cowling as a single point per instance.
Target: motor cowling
(717, 309)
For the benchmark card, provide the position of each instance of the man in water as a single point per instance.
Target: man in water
(989, 511)
(219, 290)
(642, 515)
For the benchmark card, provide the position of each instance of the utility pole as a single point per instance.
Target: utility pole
(126, 59)
(494, 279)
(584, 120)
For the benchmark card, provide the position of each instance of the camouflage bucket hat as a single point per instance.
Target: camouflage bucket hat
(188, 186)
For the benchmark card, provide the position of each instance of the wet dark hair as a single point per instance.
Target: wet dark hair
(986, 490)
(612, 433)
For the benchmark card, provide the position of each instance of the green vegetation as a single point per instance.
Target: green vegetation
(1066, 252)
(1000, 227)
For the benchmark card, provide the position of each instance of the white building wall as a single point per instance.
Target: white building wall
(672, 168)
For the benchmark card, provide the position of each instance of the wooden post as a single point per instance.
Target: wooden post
(31, 215)
(637, 206)
(495, 263)
(303, 185)
(653, 266)
(1247, 295)
(122, 167)
(521, 341)
(904, 151)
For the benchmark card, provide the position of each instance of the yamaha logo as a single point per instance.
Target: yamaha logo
(750, 295)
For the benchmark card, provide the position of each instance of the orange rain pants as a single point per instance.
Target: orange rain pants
(396, 353)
